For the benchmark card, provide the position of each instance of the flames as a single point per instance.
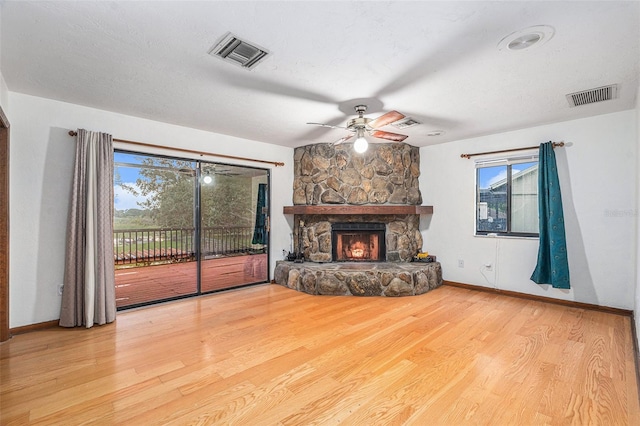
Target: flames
(357, 253)
(357, 250)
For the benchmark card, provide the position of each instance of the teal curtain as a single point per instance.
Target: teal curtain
(553, 265)
(260, 230)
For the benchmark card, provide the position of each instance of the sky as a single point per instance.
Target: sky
(124, 200)
(127, 174)
(490, 175)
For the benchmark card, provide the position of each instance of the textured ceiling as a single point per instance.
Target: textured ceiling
(437, 62)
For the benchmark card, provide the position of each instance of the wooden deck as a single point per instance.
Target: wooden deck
(135, 286)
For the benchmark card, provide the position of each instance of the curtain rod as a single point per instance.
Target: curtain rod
(555, 144)
(192, 151)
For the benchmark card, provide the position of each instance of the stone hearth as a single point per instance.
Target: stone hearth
(360, 279)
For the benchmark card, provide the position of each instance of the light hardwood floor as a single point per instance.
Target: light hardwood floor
(268, 355)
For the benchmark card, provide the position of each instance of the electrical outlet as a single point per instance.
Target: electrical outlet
(60, 287)
(460, 263)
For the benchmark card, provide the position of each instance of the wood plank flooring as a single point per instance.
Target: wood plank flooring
(268, 355)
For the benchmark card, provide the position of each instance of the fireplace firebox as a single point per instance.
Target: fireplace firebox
(358, 242)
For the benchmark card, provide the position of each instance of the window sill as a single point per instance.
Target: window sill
(508, 237)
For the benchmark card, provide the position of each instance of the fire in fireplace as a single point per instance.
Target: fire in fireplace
(358, 242)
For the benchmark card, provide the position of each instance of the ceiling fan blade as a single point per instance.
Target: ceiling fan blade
(327, 125)
(343, 139)
(388, 118)
(260, 85)
(396, 137)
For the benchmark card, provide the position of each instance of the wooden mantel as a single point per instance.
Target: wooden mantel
(361, 210)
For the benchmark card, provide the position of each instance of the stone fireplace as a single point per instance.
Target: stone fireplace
(339, 178)
(402, 237)
(356, 220)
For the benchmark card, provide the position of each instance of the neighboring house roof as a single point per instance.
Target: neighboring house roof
(519, 175)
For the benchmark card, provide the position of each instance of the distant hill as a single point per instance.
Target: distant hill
(131, 213)
(133, 219)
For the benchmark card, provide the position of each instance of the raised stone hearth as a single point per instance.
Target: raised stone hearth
(390, 279)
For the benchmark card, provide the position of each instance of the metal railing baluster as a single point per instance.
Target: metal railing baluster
(165, 245)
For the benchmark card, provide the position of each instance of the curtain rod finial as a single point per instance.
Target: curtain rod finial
(73, 133)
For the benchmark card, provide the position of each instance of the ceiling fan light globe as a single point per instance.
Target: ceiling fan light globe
(360, 145)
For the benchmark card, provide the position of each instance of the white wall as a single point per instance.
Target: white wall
(41, 159)
(598, 180)
(4, 92)
(4, 97)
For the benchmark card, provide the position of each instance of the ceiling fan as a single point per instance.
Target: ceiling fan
(220, 170)
(361, 125)
(214, 170)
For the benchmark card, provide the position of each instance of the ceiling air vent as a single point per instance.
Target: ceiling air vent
(237, 51)
(405, 122)
(599, 94)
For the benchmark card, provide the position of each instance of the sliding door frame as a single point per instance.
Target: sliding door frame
(197, 210)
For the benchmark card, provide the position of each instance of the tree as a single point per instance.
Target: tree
(169, 188)
(227, 202)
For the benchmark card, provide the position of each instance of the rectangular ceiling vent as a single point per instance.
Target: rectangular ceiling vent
(599, 94)
(405, 122)
(237, 51)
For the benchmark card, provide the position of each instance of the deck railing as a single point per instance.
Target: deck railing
(169, 245)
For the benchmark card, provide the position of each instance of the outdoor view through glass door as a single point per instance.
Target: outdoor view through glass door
(183, 227)
(233, 239)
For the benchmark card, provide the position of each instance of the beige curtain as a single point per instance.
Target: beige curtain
(88, 296)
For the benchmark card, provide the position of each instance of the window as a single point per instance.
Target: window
(507, 197)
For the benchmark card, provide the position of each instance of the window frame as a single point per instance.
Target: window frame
(508, 162)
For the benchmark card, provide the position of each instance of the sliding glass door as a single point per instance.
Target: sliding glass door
(234, 226)
(154, 228)
(184, 227)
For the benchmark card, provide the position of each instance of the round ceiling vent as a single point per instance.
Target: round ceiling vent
(527, 38)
